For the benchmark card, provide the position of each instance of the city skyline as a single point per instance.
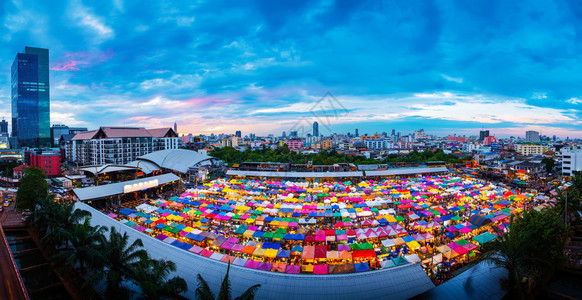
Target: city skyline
(262, 68)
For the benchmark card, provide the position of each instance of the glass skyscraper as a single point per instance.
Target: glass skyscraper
(31, 98)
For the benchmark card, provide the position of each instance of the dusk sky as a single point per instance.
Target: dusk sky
(262, 66)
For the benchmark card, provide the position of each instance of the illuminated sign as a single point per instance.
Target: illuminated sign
(129, 188)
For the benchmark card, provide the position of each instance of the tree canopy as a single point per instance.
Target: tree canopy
(33, 186)
(282, 154)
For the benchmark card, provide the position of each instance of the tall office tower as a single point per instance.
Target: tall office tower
(532, 136)
(3, 128)
(357, 134)
(315, 129)
(483, 134)
(238, 133)
(31, 98)
(175, 127)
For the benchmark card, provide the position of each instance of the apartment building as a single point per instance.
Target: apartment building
(118, 145)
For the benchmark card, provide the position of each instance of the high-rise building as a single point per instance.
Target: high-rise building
(357, 134)
(238, 133)
(483, 134)
(532, 136)
(31, 98)
(175, 127)
(315, 129)
(3, 128)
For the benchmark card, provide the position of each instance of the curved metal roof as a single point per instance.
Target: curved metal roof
(179, 160)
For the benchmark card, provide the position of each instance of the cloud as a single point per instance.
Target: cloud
(81, 60)
(261, 65)
(453, 79)
(574, 100)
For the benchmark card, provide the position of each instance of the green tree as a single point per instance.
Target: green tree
(203, 291)
(531, 251)
(63, 216)
(550, 163)
(151, 276)
(84, 240)
(33, 186)
(116, 260)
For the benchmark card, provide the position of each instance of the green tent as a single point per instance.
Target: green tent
(456, 218)
(484, 238)
(461, 242)
(362, 246)
(398, 261)
(241, 229)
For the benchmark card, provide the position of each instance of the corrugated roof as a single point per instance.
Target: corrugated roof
(179, 160)
(295, 174)
(102, 191)
(105, 169)
(405, 171)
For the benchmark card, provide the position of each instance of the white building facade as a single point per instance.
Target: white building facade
(118, 145)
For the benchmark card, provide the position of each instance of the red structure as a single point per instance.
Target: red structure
(50, 163)
(490, 140)
(456, 138)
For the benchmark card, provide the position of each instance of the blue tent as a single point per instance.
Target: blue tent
(362, 267)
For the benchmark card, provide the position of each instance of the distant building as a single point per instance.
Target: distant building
(532, 137)
(371, 137)
(490, 140)
(571, 161)
(483, 134)
(31, 98)
(357, 134)
(375, 143)
(315, 129)
(58, 130)
(294, 144)
(238, 133)
(176, 127)
(50, 163)
(3, 128)
(18, 171)
(118, 145)
(455, 138)
(531, 149)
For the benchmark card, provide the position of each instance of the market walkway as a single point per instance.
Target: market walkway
(481, 281)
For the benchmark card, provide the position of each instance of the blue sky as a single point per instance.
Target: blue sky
(264, 66)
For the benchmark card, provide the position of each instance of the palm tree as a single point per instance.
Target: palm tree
(569, 203)
(64, 216)
(116, 259)
(43, 214)
(203, 292)
(151, 275)
(510, 251)
(85, 241)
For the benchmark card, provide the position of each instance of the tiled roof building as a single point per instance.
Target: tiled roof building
(118, 145)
